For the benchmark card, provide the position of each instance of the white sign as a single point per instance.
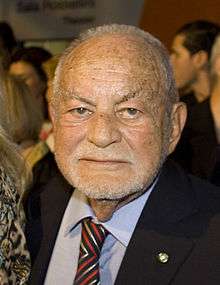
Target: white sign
(64, 19)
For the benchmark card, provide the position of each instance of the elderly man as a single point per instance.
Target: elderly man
(126, 215)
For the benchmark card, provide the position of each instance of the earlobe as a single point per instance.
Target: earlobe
(178, 119)
(51, 111)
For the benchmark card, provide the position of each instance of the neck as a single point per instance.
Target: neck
(201, 87)
(104, 209)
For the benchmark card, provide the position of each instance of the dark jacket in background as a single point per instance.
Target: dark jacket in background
(196, 151)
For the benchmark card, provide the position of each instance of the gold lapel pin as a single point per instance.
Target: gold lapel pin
(163, 257)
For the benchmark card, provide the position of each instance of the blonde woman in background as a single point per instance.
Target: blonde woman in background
(14, 178)
(23, 119)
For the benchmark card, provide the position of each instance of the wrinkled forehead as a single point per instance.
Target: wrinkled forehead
(116, 55)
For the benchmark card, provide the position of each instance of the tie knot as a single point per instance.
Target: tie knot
(93, 235)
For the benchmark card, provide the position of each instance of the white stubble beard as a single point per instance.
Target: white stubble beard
(109, 186)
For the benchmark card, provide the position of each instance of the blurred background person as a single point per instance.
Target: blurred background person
(26, 63)
(49, 67)
(210, 118)
(14, 180)
(8, 43)
(200, 145)
(23, 119)
(190, 58)
(46, 167)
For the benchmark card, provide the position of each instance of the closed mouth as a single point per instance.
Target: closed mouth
(104, 161)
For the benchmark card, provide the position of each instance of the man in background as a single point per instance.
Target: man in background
(191, 49)
(190, 58)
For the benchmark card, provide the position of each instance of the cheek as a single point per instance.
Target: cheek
(176, 63)
(180, 62)
(144, 140)
(186, 65)
(180, 68)
(68, 138)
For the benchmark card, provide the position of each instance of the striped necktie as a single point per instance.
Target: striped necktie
(92, 239)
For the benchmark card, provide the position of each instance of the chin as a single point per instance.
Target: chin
(108, 192)
(110, 185)
(110, 188)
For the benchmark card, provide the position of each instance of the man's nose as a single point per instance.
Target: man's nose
(103, 130)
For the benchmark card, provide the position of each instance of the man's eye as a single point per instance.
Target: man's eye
(81, 111)
(129, 113)
(132, 111)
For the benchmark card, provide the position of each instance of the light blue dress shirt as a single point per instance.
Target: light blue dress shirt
(64, 260)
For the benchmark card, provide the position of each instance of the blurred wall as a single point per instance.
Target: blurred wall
(164, 17)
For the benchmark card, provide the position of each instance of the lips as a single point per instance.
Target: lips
(103, 160)
(94, 164)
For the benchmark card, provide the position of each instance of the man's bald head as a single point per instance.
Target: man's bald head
(115, 112)
(122, 44)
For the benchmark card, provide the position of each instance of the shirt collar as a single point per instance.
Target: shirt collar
(122, 223)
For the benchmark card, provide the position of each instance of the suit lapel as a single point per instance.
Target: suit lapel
(160, 229)
(153, 258)
(160, 233)
(53, 204)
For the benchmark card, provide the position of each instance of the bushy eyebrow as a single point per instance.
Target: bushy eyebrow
(126, 97)
(82, 99)
(129, 96)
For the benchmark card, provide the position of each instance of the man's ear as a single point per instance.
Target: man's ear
(178, 119)
(200, 59)
(52, 113)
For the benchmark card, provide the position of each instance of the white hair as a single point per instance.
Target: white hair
(154, 48)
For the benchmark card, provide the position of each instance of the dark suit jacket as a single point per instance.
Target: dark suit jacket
(197, 148)
(181, 218)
